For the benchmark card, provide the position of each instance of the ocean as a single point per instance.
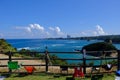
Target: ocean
(55, 46)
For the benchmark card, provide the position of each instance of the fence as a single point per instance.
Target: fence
(83, 59)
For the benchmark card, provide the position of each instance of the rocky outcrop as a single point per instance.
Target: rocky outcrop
(101, 47)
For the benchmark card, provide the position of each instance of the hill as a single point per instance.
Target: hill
(100, 46)
(6, 47)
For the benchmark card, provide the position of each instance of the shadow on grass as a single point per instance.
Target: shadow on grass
(5, 74)
(21, 74)
(69, 78)
(97, 77)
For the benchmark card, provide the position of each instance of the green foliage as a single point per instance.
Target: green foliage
(6, 47)
(56, 61)
(99, 46)
(91, 63)
(17, 55)
(113, 62)
(26, 53)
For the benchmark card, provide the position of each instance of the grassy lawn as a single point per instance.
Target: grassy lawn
(50, 77)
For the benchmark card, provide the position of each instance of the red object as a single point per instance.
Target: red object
(78, 72)
(29, 69)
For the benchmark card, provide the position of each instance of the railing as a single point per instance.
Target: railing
(83, 59)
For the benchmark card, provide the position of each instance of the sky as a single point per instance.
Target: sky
(58, 18)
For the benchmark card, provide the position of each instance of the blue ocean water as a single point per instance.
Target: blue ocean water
(54, 46)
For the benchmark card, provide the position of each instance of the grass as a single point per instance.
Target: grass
(43, 76)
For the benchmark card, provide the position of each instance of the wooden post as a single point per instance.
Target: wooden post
(118, 64)
(10, 59)
(84, 61)
(46, 59)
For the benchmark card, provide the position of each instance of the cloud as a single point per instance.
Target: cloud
(99, 30)
(83, 33)
(96, 32)
(31, 27)
(36, 26)
(56, 31)
(28, 29)
(36, 30)
(51, 28)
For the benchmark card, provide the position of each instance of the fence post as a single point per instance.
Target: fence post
(46, 59)
(84, 61)
(118, 63)
(10, 59)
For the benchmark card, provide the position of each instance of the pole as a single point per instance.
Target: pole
(46, 59)
(84, 61)
(118, 64)
(10, 59)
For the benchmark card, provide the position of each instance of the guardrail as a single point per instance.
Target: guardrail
(83, 59)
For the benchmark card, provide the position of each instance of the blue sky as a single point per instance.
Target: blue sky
(57, 18)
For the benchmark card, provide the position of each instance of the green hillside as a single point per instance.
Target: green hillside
(6, 47)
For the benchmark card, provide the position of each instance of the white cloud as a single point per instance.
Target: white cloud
(83, 33)
(51, 28)
(56, 31)
(47, 33)
(36, 30)
(36, 26)
(99, 30)
(96, 32)
(28, 29)
(31, 27)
